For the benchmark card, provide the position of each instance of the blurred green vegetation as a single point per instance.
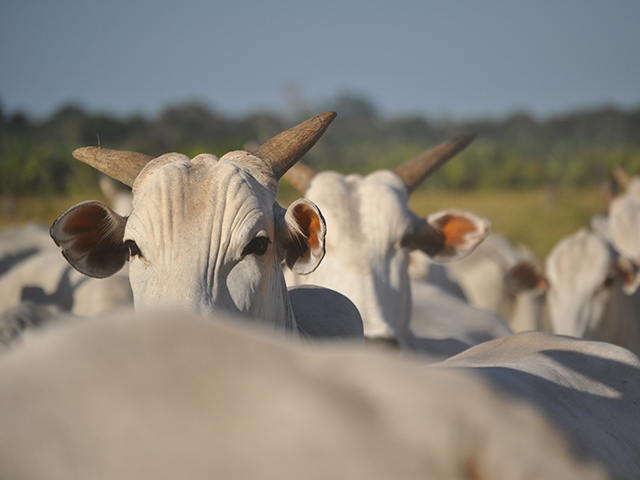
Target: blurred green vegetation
(571, 154)
(577, 150)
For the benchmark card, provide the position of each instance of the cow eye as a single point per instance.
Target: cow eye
(257, 246)
(133, 248)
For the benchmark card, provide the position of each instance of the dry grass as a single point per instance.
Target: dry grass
(528, 217)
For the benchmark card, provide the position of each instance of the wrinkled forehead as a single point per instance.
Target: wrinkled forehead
(582, 260)
(177, 188)
(348, 191)
(362, 205)
(205, 170)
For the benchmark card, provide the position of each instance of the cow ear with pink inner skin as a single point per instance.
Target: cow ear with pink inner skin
(302, 233)
(448, 235)
(91, 236)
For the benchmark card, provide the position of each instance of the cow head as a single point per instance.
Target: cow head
(582, 275)
(205, 232)
(372, 230)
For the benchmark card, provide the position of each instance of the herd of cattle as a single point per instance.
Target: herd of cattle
(342, 337)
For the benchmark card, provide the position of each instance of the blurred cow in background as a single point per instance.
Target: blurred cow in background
(371, 232)
(479, 279)
(592, 277)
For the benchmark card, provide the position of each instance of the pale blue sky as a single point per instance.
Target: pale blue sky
(451, 57)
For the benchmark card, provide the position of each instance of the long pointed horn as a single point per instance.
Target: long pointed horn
(413, 172)
(284, 150)
(300, 176)
(120, 165)
(623, 179)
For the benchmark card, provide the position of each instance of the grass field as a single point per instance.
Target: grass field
(530, 217)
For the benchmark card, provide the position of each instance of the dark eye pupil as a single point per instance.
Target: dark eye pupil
(133, 248)
(257, 246)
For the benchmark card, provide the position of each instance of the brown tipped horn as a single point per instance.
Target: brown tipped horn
(623, 179)
(285, 149)
(413, 172)
(300, 176)
(120, 165)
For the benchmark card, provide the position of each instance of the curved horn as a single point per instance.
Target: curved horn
(622, 177)
(300, 176)
(413, 172)
(120, 165)
(284, 150)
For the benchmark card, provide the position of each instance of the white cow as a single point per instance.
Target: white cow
(589, 390)
(20, 242)
(479, 279)
(167, 396)
(371, 231)
(206, 233)
(47, 279)
(121, 201)
(585, 285)
(624, 230)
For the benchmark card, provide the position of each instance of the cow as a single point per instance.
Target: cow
(588, 290)
(21, 242)
(371, 231)
(120, 200)
(479, 279)
(167, 395)
(46, 278)
(207, 233)
(588, 389)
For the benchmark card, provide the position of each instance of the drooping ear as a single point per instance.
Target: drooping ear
(525, 276)
(448, 235)
(631, 275)
(303, 233)
(91, 237)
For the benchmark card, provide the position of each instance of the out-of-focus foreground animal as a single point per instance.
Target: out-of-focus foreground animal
(168, 396)
(371, 232)
(207, 233)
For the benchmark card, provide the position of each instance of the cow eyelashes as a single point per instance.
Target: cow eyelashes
(257, 246)
(133, 248)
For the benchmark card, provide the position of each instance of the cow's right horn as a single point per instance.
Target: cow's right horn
(284, 150)
(120, 165)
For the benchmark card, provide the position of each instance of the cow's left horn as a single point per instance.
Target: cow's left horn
(413, 172)
(623, 179)
(118, 164)
(285, 149)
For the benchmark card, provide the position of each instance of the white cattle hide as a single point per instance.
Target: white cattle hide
(589, 390)
(21, 242)
(165, 396)
(443, 325)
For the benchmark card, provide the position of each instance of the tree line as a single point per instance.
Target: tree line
(520, 151)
